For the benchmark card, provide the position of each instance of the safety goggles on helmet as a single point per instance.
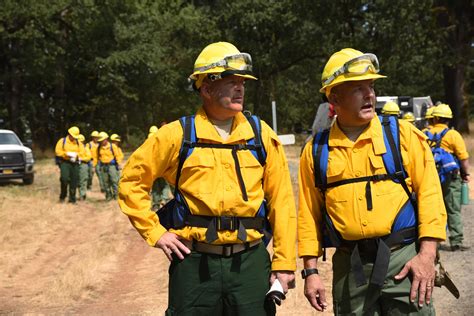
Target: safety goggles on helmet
(240, 62)
(356, 66)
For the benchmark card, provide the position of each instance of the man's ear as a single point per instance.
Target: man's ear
(205, 90)
(333, 99)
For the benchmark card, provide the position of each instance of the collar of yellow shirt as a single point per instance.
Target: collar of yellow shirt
(373, 133)
(241, 129)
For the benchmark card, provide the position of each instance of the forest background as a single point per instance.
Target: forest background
(121, 66)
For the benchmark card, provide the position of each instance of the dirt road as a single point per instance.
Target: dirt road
(87, 259)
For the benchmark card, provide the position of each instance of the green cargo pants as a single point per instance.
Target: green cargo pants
(204, 284)
(100, 177)
(452, 200)
(69, 178)
(90, 175)
(392, 299)
(110, 176)
(83, 178)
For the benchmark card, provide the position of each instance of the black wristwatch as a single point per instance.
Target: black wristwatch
(307, 272)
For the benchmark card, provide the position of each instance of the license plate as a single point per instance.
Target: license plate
(7, 171)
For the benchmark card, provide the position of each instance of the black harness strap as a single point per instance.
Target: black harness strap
(216, 223)
(396, 157)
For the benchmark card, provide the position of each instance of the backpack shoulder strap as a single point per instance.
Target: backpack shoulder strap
(320, 158)
(259, 151)
(392, 159)
(187, 145)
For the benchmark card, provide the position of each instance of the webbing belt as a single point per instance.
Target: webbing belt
(381, 248)
(219, 223)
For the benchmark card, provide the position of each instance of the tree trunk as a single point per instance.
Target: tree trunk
(14, 93)
(455, 18)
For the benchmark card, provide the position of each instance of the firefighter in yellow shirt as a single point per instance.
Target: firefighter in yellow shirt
(231, 180)
(93, 167)
(452, 142)
(373, 193)
(84, 163)
(68, 149)
(109, 165)
(115, 139)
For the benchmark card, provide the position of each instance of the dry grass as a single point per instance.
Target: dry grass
(53, 253)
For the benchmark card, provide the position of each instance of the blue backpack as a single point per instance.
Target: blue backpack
(176, 213)
(446, 163)
(404, 228)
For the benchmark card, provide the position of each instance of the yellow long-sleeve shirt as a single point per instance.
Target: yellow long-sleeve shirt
(210, 186)
(93, 149)
(65, 146)
(118, 154)
(86, 154)
(107, 153)
(452, 141)
(347, 205)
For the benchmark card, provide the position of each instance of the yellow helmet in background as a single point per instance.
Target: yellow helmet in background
(81, 138)
(222, 59)
(103, 136)
(443, 110)
(349, 65)
(115, 137)
(408, 116)
(391, 108)
(429, 112)
(153, 129)
(95, 134)
(74, 131)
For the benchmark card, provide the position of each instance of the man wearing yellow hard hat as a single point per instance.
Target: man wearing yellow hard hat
(232, 191)
(440, 135)
(429, 119)
(409, 117)
(368, 187)
(92, 145)
(68, 149)
(109, 160)
(84, 163)
(391, 108)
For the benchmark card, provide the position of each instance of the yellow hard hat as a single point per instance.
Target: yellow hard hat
(391, 108)
(221, 58)
(153, 129)
(409, 116)
(74, 131)
(115, 137)
(95, 134)
(443, 110)
(349, 65)
(103, 136)
(429, 112)
(81, 138)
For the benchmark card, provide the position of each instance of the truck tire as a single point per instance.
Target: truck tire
(29, 180)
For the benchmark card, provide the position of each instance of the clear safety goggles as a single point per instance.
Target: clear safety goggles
(356, 66)
(241, 62)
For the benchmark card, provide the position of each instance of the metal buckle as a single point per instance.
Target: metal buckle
(226, 223)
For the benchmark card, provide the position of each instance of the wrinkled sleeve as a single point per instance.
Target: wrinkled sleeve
(459, 146)
(309, 211)
(279, 194)
(59, 149)
(157, 157)
(425, 181)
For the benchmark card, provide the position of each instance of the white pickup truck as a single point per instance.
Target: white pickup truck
(16, 160)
